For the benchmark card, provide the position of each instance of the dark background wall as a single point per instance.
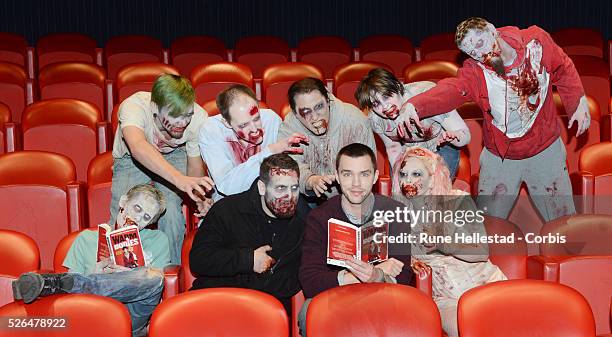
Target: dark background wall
(291, 20)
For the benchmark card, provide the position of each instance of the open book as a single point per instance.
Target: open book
(123, 246)
(345, 240)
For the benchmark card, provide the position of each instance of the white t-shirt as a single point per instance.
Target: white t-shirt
(136, 111)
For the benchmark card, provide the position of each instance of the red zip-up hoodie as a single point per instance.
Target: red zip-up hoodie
(470, 85)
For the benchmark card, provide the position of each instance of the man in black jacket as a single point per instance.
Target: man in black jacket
(252, 239)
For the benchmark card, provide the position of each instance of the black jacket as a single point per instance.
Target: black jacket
(222, 251)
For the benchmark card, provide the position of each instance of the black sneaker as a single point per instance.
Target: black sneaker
(30, 286)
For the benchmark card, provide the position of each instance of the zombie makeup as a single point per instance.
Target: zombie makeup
(139, 210)
(482, 46)
(246, 123)
(174, 126)
(414, 178)
(388, 107)
(313, 111)
(282, 192)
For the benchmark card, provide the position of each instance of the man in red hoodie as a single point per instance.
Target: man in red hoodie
(510, 76)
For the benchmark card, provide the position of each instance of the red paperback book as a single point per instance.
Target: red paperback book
(345, 240)
(123, 246)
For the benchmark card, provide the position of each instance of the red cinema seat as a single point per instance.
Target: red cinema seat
(327, 52)
(128, 49)
(596, 177)
(580, 41)
(347, 77)
(259, 52)
(84, 315)
(393, 50)
(372, 309)
(16, 90)
(210, 107)
(441, 47)
(278, 78)
(574, 145)
(593, 72)
(41, 197)
(472, 115)
(189, 52)
(583, 262)
(67, 47)
(19, 254)
(524, 308)
(210, 79)
(71, 127)
(463, 177)
(137, 77)
(430, 71)
(220, 312)
(186, 278)
(99, 178)
(14, 49)
(84, 81)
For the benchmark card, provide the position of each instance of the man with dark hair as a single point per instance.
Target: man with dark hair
(356, 174)
(156, 141)
(140, 289)
(252, 239)
(330, 124)
(235, 142)
(383, 95)
(510, 76)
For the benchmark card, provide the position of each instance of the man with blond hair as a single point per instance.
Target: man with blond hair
(156, 142)
(510, 76)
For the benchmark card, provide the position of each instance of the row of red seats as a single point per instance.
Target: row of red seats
(256, 51)
(585, 273)
(93, 83)
(519, 308)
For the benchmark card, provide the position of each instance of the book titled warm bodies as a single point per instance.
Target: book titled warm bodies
(123, 246)
(345, 240)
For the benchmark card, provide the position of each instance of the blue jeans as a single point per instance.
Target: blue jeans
(128, 173)
(139, 289)
(451, 157)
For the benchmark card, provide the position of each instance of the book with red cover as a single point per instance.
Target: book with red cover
(345, 240)
(123, 246)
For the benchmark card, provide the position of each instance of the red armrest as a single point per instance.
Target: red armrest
(423, 282)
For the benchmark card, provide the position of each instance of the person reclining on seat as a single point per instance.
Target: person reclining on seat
(139, 289)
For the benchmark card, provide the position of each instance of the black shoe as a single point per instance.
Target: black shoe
(30, 286)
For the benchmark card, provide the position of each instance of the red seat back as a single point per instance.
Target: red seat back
(278, 78)
(99, 180)
(189, 52)
(84, 81)
(327, 52)
(65, 126)
(45, 203)
(220, 312)
(13, 87)
(372, 309)
(5, 117)
(81, 313)
(259, 52)
(128, 49)
(13, 48)
(430, 71)
(580, 41)
(61, 250)
(393, 50)
(510, 258)
(186, 277)
(524, 308)
(441, 47)
(65, 47)
(140, 77)
(210, 79)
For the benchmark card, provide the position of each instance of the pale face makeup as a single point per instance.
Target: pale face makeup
(356, 176)
(414, 178)
(281, 194)
(312, 110)
(174, 126)
(387, 107)
(139, 210)
(482, 46)
(246, 120)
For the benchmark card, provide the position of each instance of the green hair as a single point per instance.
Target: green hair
(173, 91)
